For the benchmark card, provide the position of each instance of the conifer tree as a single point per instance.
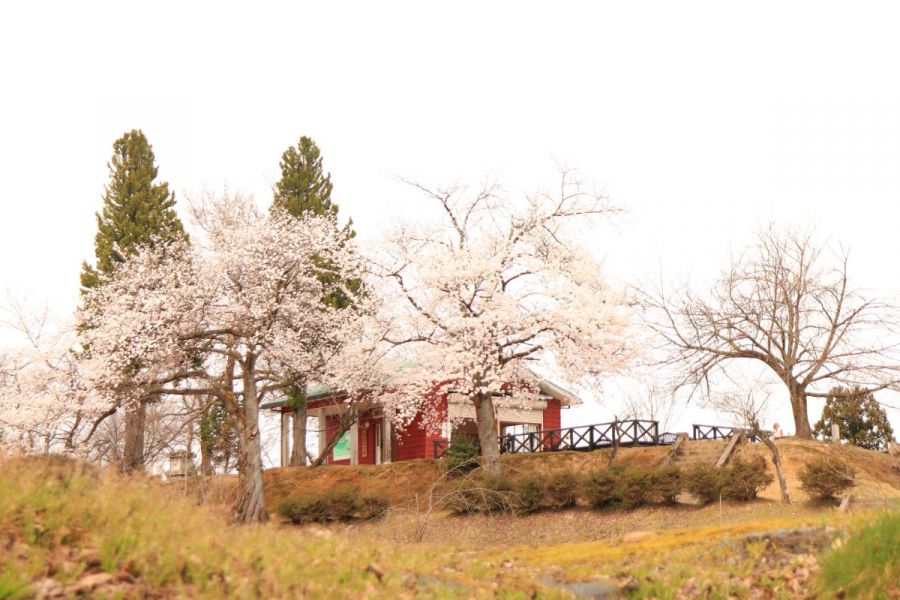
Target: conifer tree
(137, 211)
(305, 188)
(861, 419)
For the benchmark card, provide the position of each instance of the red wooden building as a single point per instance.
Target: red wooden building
(373, 440)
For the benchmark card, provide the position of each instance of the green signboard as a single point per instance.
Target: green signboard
(342, 448)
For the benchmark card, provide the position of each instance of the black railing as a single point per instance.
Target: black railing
(712, 432)
(584, 438)
(633, 432)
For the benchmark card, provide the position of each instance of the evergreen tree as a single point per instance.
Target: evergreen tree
(136, 211)
(862, 421)
(305, 188)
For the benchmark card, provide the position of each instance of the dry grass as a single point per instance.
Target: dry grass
(878, 474)
(69, 530)
(64, 522)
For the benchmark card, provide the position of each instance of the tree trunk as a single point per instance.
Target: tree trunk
(298, 451)
(251, 507)
(776, 458)
(801, 414)
(133, 455)
(487, 435)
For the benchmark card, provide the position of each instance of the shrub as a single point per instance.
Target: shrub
(487, 495)
(303, 510)
(742, 480)
(529, 495)
(633, 487)
(703, 482)
(562, 489)
(372, 506)
(663, 485)
(600, 488)
(341, 502)
(826, 478)
(462, 456)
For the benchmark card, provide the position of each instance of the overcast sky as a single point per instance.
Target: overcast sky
(703, 120)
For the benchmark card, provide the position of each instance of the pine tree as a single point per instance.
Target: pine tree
(136, 211)
(861, 420)
(305, 188)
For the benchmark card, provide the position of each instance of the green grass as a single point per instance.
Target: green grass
(867, 565)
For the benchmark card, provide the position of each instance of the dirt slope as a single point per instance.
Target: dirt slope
(878, 474)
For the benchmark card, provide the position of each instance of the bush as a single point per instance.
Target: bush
(372, 506)
(529, 495)
(827, 478)
(487, 495)
(703, 482)
(600, 488)
(341, 503)
(303, 510)
(742, 480)
(462, 456)
(562, 489)
(633, 487)
(664, 485)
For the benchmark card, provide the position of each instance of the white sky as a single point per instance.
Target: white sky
(704, 120)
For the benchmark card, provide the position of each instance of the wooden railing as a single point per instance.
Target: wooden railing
(712, 432)
(632, 432)
(584, 438)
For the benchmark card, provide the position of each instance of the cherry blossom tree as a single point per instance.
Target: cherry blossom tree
(44, 406)
(229, 318)
(496, 288)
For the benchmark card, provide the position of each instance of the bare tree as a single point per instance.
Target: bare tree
(747, 410)
(650, 402)
(781, 307)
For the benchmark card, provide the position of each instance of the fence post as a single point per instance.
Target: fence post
(655, 433)
(591, 437)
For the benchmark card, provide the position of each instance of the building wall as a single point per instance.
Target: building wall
(416, 441)
(552, 415)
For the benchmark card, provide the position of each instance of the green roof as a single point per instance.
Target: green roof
(314, 391)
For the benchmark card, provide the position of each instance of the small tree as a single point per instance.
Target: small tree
(748, 410)
(861, 420)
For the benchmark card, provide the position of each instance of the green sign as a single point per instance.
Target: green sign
(342, 448)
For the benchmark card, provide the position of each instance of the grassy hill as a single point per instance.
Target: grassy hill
(68, 529)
